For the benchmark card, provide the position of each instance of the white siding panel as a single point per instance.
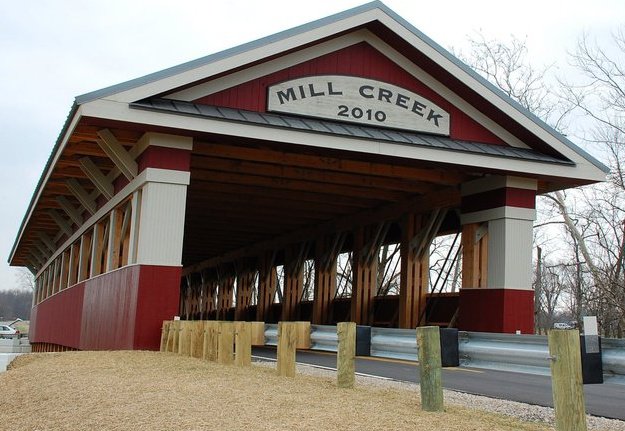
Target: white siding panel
(161, 225)
(510, 254)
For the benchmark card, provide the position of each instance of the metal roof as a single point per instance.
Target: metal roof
(342, 129)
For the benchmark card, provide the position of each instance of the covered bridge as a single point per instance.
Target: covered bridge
(232, 186)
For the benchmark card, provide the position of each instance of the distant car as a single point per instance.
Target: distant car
(7, 331)
(564, 325)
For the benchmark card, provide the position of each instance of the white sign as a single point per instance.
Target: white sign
(358, 100)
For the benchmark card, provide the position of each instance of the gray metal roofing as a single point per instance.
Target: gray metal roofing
(342, 129)
(320, 23)
(88, 97)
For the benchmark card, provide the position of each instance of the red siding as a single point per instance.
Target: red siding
(123, 309)
(108, 317)
(165, 158)
(159, 295)
(358, 60)
(57, 319)
(508, 196)
(497, 310)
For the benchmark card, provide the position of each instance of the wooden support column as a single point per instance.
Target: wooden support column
(266, 286)
(245, 281)
(325, 279)
(365, 274)
(225, 296)
(474, 255)
(414, 274)
(293, 281)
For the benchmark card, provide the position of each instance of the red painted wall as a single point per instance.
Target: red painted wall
(165, 158)
(123, 309)
(358, 60)
(506, 196)
(496, 310)
(57, 319)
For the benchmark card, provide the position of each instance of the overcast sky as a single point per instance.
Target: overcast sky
(52, 51)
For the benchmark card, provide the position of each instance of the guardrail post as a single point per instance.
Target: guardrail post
(428, 342)
(303, 334)
(175, 336)
(225, 354)
(164, 335)
(566, 380)
(209, 351)
(243, 344)
(287, 341)
(197, 339)
(345, 367)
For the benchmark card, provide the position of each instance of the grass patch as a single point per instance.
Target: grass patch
(164, 391)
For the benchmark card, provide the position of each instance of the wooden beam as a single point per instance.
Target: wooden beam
(432, 175)
(442, 197)
(325, 279)
(116, 152)
(99, 180)
(474, 256)
(267, 284)
(82, 195)
(61, 222)
(70, 210)
(414, 278)
(297, 184)
(47, 241)
(304, 173)
(365, 274)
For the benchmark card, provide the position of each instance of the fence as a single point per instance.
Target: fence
(505, 352)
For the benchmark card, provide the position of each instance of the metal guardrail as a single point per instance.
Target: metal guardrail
(323, 337)
(394, 343)
(613, 358)
(505, 352)
(271, 334)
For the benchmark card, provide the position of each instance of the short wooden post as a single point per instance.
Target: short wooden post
(303, 335)
(225, 351)
(242, 344)
(209, 351)
(197, 339)
(429, 346)
(566, 380)
(287, 342)
(345, 366)
(184, 344)
(175, 336)
(258, 333)
(164, 335)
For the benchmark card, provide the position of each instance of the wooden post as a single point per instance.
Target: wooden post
(175, 336)
(164, 335)
(345, 366)
(566, 380)
(429, 346)
(184, 343)
(365, 274)
(413, 284)
(303, 335)
(197, 339)
(325, 279)
(287, 341)
(209, 350)
(243, 344)
(258, 333)
(225, 353)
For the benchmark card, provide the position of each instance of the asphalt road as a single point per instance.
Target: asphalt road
(606, 400)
